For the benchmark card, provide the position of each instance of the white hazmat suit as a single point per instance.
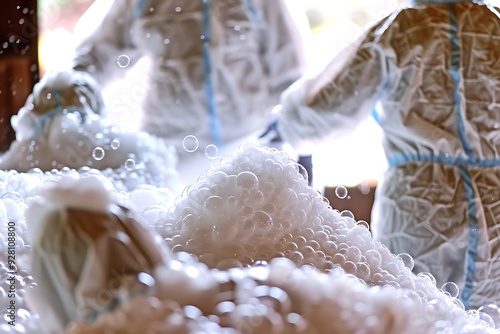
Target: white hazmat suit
(434, 68)
(217, 67)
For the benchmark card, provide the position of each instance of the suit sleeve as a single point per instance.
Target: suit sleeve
(108, 46)
(333, 103)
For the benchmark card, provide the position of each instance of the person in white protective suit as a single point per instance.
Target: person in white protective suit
(217, 67)
(433, 67)
(63, 124)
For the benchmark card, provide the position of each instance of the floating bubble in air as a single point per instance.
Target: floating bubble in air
(130, 164)
(190, 143)
(211, 151)
(115, 144)
(341, 192)
(123, 61)
(98, 153)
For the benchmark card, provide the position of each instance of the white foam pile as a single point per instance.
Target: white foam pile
(267, 254)
(130, 158)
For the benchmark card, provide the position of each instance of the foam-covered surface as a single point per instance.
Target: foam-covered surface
(269, 255)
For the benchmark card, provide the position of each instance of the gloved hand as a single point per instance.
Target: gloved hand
(306, 162)
(272, 137)
(271, 133)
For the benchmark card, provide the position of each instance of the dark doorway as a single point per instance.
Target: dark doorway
(18, 61)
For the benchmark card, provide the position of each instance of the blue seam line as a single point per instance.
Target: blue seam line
(214, 121)
(48, 115)
(139, 8)
(253, 12)
(466, 179)
(473, 236)
(374, 112)
(51, 114)
(44, 118)
(455, 75)
(447, 159)
(462, 164)
(383, 88)
(375, 115)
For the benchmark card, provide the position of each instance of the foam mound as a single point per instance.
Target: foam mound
(253, 250)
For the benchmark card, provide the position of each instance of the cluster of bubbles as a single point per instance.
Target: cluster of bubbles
(17, 191)
(15, 279)
(255, 250)
(150, 161)
(256, 206)
(274, 298)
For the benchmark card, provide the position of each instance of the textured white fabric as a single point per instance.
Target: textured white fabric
(434, 70)
(85, 262)
(255, 51)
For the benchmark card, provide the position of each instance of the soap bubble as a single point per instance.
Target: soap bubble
(130, 164)
(487, 318)
(98, 153)
(115, 144)
(303, 171)
(247, 180)
(451, 288)
(211, 151)
(296, 257)
(427, 276)
(341, 192)
(123, 61)
(493, 311)
(14, 195)
(190, 143)
(407, 260)
(213, 205)
(347, 213)
(363, 223)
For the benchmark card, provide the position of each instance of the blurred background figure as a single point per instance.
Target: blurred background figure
(432, 67)
(63, 125)
(215, 69)
(332, 24)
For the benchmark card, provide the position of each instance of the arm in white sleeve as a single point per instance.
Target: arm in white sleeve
(109, 40)
(333, 103)
(286, 30)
